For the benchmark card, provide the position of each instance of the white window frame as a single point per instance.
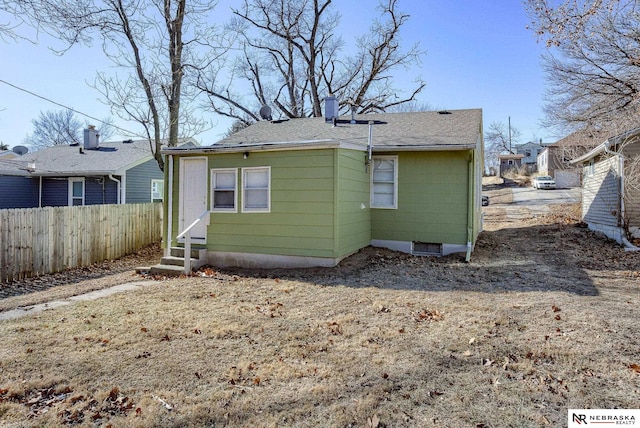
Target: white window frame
(246, 209)
(395, 182)
(213, 174)
(70, 193)
(154, 183)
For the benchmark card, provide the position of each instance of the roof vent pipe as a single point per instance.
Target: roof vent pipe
(353, 113)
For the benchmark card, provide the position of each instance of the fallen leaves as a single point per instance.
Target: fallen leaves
(271, 309)
(635, 367)
(373, 422)
(429, 315)
(71, 409)
(334, 328)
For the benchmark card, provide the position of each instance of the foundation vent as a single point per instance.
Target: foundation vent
(426, 249)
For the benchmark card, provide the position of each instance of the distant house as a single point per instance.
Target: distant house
(311, 191)
(611, 186)
(89, 174)
(509, 162)
(530, 151)
(16, 152)
(555, 159)
(8, 154)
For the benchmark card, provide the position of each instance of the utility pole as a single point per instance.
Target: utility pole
(510, 151)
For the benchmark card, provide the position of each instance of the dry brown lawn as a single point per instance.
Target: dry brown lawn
(544, 318)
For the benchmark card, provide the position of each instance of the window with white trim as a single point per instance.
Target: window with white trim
(223, 189)
(256, 189)
(591, 168)
(157, 190)
(384, 182)
(76, 191)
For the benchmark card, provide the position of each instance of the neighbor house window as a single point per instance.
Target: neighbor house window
(591, 168)
(76, 191)
(256, 189)
(157, 190)
(384, 182)
(223, 189)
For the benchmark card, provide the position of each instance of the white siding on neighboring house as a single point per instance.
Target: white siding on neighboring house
(543, 162)
(601, 193)
(566, 179)
(632, 185)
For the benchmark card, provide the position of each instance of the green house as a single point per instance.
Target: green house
(312, 191)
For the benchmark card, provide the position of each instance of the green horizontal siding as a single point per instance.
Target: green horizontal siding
(353, 222)
(432, 200)
(301, 221)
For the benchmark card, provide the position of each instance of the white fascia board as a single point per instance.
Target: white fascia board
(424, 148)
(256, 147)
(592, 153)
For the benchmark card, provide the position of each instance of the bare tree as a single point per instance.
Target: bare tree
(499, 139)
(290, 60)
(410, 106)
(53, 128)
(593, 65)
(154, 43)
(9, 22)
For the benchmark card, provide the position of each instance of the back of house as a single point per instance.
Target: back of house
(310, 192)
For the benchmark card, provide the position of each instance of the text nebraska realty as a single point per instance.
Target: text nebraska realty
(607, 419)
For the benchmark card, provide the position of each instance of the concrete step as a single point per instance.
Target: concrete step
(177, 261)
(173, 265)
(167, 270)
(179, 252)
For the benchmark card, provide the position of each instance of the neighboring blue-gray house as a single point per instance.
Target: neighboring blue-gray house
(530, 151)
(90, 174)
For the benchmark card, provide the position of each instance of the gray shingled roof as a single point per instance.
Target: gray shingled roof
(65, 160)
(457, 129)
(13, 167)
(110, 158)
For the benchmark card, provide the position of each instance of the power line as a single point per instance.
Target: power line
(68, 108)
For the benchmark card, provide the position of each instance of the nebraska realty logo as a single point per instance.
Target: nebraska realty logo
(599, 417)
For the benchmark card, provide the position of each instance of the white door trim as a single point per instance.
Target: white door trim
(192, 199)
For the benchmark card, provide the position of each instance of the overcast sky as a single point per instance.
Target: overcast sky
(479, 54)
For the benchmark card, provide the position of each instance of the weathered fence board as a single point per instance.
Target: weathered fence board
(35, 241)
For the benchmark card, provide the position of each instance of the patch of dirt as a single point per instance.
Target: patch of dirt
(72, 282)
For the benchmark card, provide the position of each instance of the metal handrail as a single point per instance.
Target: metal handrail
(186, 234)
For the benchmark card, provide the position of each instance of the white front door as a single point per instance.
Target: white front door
(193, 196)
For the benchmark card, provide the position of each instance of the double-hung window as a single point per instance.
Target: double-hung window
(256, 189)
(76, 191)
(223, 190)
(384, 182)
(157, 190)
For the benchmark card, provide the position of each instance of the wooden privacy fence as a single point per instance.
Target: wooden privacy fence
(35, 241)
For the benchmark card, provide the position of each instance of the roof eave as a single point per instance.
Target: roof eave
(316, 145)
(592, 153)
(425, 148)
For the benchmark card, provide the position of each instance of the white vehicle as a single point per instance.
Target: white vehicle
(544, 182)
